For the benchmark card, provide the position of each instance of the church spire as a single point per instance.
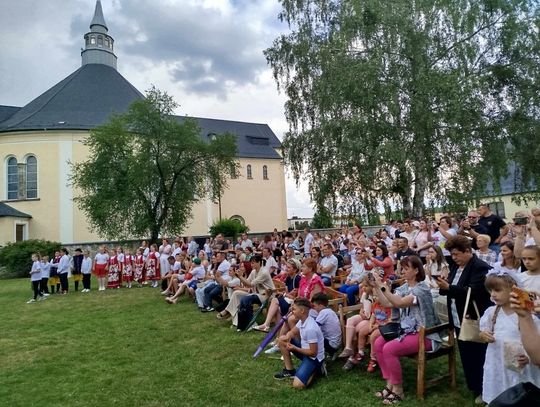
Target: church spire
(98, 19)
(99, 46)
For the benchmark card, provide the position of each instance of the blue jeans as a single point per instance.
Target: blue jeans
(210, 293)
(327, 281)
(351, 291)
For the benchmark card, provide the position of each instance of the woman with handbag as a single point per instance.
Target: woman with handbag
(466, 279)
(399, 339)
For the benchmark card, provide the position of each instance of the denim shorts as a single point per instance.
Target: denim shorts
(307, 367)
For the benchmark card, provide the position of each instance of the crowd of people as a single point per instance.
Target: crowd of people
(488, 270)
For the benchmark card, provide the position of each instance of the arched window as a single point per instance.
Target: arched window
(234, 175)
(31, 177)
(12, 179)
(107, 43)
(100, 41)
(92, 40)
(249, 173)
(265, 172)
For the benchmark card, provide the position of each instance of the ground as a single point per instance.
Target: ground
(128, 347)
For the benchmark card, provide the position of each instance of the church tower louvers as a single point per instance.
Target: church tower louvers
(99, 46)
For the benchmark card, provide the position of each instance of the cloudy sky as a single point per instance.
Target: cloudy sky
(206, 53)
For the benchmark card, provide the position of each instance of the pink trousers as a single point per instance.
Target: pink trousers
(388, 354)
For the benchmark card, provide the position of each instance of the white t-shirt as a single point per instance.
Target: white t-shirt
(223, 268)
(45, 270)
(198, 272)
(35, 273)
(86, 266)
(531, 282)
(308, 241)
(440, 240)
(310, 332)
(101, 258)
(270, 262)
(330, 327)
(329, 261)
(63, 264)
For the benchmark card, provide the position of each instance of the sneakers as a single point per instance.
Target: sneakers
(347, 353)
(86, 290)
(285, 374)
(166, 292)
(273, 349)
(207, 309)
(45, 294)
(42, 298)
(30, 301)
(372, 366)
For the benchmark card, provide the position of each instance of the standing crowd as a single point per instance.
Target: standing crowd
(487, 270)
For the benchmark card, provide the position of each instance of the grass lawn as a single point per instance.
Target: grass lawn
(129, 348)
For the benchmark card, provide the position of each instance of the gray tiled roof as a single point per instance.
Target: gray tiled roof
(7, 111)
(87, 97)
(6, 210)
(81, 101)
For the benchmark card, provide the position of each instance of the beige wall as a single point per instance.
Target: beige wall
(262, 203)
(510, 208)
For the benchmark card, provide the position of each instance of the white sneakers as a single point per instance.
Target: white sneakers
(85, 290)
(30, 301)
(273, 349)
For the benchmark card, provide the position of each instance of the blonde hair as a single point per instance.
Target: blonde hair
(487, 238)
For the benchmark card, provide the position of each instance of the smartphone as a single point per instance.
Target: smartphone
(525, 298)
(521, 221)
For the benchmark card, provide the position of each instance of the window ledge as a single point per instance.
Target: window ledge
(20, 200)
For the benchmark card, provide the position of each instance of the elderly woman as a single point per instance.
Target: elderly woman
(280, 304)
(483, 252)
(416, 304)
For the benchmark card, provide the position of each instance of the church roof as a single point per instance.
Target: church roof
(87, 97)
(8, 211)
(82, 101)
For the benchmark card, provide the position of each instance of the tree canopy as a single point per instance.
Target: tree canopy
(146, 169)
(393, 103)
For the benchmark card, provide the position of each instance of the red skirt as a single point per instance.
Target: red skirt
(100, 271)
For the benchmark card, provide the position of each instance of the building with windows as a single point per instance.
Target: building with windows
(40, 140)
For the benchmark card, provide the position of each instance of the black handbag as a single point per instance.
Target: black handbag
(520, 395)
(390, 331)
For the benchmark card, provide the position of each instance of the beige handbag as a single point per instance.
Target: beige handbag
(470, 328)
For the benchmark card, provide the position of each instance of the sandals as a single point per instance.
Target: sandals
(260, 328)
(392, 398)
(384, 393)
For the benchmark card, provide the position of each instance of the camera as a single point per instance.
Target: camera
(521, 221)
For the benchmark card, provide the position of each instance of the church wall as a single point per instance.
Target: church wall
(261, 203)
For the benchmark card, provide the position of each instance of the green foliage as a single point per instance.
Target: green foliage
(322, 219)
(17, 257)
(394, 103)
(228, 228)
(146, 169)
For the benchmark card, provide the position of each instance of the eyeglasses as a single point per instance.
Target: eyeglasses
(472, 217)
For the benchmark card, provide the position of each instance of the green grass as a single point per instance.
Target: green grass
(129, 348)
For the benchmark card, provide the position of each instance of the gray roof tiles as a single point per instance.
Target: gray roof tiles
(87, 97)
(8, 211)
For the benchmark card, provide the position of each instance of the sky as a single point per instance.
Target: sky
(207, 54)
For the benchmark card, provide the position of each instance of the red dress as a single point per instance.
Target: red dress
(138, 269)
(127, 270)
(113, 277)
(152, 267)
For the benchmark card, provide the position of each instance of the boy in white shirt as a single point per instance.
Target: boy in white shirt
(309, 349)
(86, 270)
(45, 274)
(329, 323)
(35, 277)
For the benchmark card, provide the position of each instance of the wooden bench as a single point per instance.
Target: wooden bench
(335, 298)
(448, 349)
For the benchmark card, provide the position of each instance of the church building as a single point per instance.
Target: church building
(39, 141)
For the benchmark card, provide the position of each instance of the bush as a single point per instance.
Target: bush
(228, 227)
(17, 257)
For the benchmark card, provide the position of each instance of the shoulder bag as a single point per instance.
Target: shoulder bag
(470, 328)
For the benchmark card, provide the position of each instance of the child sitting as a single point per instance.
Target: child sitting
(329, 323)
(306, 342)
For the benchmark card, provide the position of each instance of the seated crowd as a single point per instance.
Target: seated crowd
(479, 264)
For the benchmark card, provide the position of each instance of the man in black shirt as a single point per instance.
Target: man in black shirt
(470, 228)
(404, 249)
(496, 227)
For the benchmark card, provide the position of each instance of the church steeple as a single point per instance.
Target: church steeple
(99, 46)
